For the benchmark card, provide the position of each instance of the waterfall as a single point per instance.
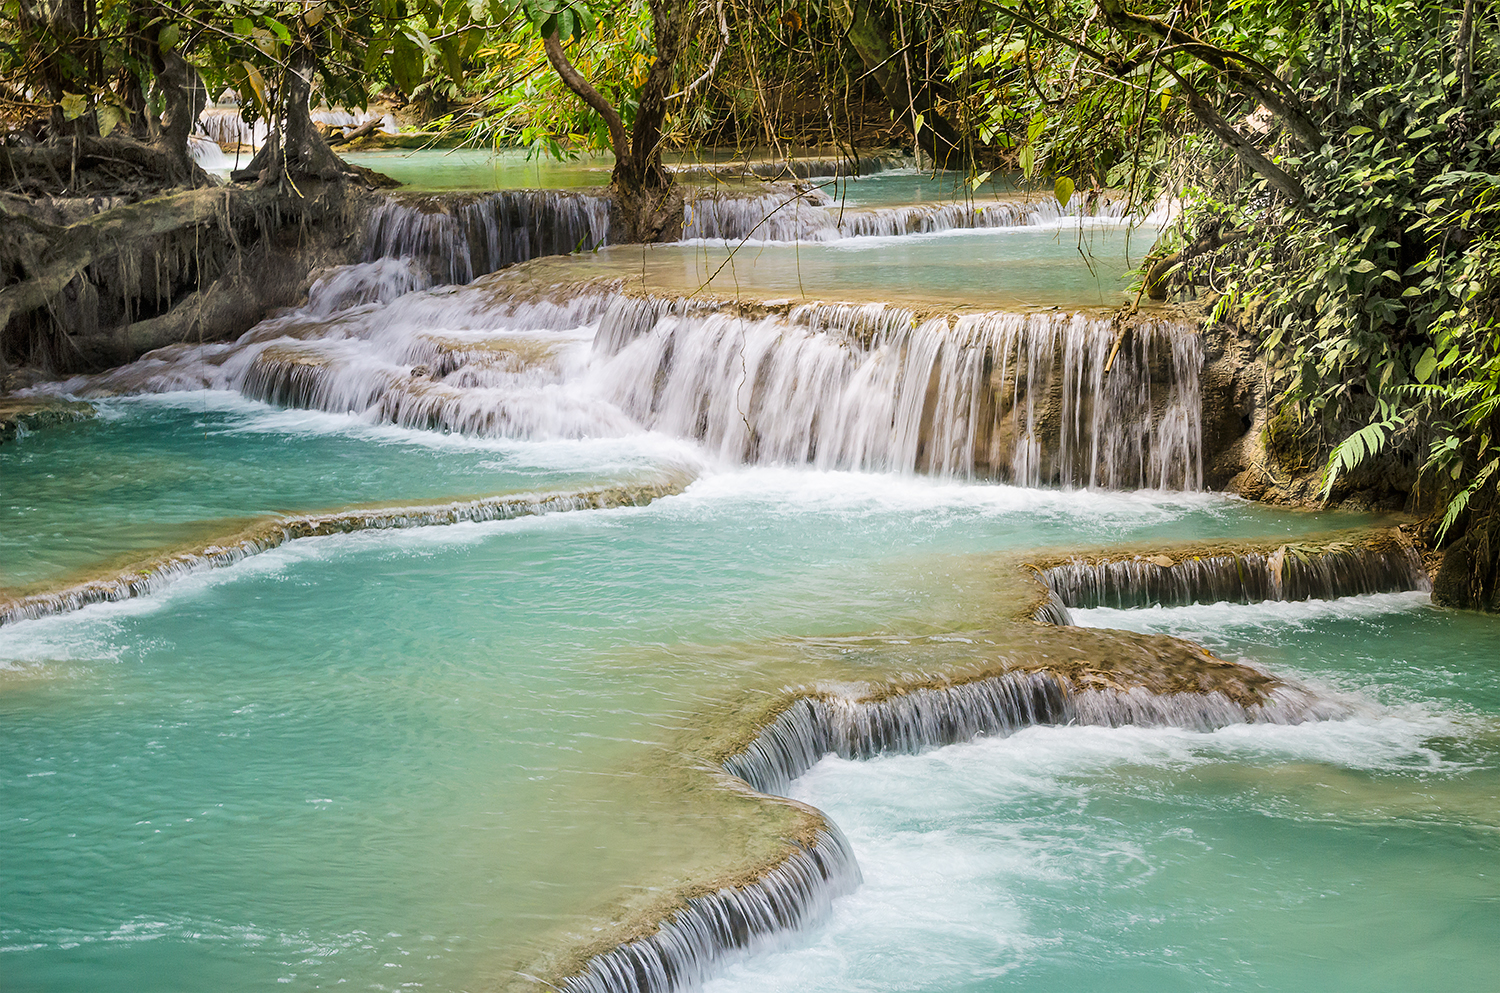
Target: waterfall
(685, 948)
(458, 239)
(1016, 397)
(930, 717)
(208, 155)
(810, 215)
(226, 127)
(148, 577)
(1289, 572)
(1010, 396)
(381, 281)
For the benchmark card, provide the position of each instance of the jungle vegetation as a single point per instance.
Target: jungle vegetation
(1332, 164)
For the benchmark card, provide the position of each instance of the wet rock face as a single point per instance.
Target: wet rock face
(1233, 414)
(1469, 577)
(29, 414)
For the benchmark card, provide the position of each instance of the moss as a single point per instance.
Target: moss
(1292, 440)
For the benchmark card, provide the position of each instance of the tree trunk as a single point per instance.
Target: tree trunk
(1463, 51)
(870, 34)
(180, 85)
(295, 148)
(649, 206)
(575, 81)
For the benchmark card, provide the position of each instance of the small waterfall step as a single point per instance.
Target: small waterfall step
(811, 215)
(1348, 564)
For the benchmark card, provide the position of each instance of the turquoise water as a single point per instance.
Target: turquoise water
(898, 187)
(514, 168)
(156, 472)
(1359, 855)
(483, 169)
(1068, 264)
(416, 759)
(393, 757)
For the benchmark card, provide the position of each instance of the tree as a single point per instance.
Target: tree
(885, 52)
(643, 186)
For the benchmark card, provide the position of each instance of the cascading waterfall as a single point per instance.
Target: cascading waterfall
(1017, 397)
(811, 215)
(693, 941)
(1289, 572)
(149, 577)
(1010, 396)
(226, 127)
(685, 949)
(930, 717)
(459, 240)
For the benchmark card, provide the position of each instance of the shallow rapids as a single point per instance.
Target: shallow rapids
(466, 615)
(1354, 855)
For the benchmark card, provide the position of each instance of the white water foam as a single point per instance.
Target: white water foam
(998, 395)
(603, 458)
(1209, 620)
(963, 848)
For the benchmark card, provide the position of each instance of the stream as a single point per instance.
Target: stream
(428, 752)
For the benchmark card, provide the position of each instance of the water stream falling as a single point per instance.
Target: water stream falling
(1018, 397)
(438, 714)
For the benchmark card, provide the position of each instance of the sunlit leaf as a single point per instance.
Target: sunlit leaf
(109, 117)
(1063, 190)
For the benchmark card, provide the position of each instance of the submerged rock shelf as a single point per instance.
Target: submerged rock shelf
(1042, 676)
(151, 576)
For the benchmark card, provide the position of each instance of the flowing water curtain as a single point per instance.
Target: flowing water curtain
(458, 242)
(1009, 396)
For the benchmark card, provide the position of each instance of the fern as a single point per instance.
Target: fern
(1359, 446)
(1460, 502)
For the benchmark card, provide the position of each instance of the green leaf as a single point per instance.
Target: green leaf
(1063, 190)
(1353, 450)
(980, 180)
(406, 63)
(451, 50)
(1426, 366)
(73, 105)
(916, 124)
(1036, 127)
(167, 38)
(109, 117)
(1363, 265)
(1356, 131)
(277, 28)
(1027, 157)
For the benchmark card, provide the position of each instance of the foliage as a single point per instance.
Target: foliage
(1375, 301)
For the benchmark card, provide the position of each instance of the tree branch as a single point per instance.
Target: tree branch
(1244, 72)
(1253, 157)
(585, 91)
